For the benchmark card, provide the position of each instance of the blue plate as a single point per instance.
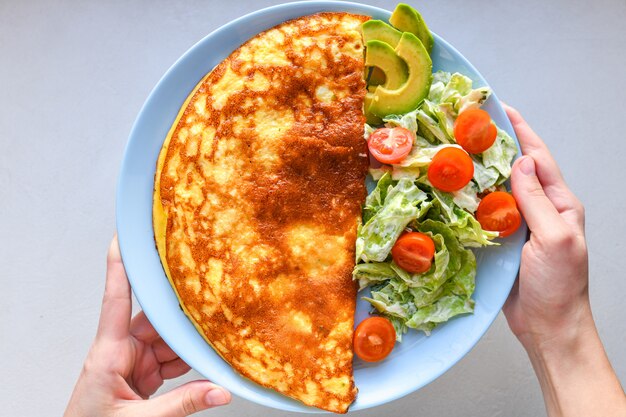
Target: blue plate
(415, 362)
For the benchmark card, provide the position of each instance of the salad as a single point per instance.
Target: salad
(440, 170)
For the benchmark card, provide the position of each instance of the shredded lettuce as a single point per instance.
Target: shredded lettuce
(407, 121)
(377, 173)
(421, 301)
(398, 172)
(457, 90)
(442, 310)
(467, 197)
(462, 223)
(368, 131)
(500, 155)
(422, 153)
(445, 115)
(485, 178)
(428, 126)
(374, 201)
(449, 95)
(469, 231)
(388, 211)
(369, 273)
(404, 199)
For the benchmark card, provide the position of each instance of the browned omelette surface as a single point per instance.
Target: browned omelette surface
(258, 193)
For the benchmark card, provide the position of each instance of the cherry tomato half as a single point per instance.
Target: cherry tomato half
(474, 131)
(374, 339)
(451, 169)
(414, 252)
(390, 145)
(498, 212)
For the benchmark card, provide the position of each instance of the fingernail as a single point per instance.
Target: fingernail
(216, 397)
(527, 165)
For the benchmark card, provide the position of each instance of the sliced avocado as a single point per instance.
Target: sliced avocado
(374, 76)
(407, 19)
(370, 117)
(381, 55)
(410, 94)
(381, 31)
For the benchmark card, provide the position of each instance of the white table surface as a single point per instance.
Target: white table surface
(73, 76)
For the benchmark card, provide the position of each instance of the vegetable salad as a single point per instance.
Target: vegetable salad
(418, 193)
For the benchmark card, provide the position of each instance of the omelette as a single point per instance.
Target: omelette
(258, 193)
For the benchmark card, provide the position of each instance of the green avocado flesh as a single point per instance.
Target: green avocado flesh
(386, 100)
(380, 54)
(380, 31)
(374, 76)
(370, 117)
(407, 19)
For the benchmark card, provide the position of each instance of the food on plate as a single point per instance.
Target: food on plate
(414, 252)
(451, 169)
(384, 101)
(374, 339)
(393, 68)
(440, 190)
(390, 145)
(398, 64)
(498, 212)
(258, 192)
(261, 216)
(475, 131)
(380, 31)
(407, 19)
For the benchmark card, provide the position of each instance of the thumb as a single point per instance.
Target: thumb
(538, 211)
(186, 400)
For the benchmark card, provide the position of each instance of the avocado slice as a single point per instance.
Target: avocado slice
(409, 95)
(370, 117)
(381, 55)
(407, 19)
(381, 31)
(374, 76)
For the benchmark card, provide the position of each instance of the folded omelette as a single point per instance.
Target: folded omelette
(258, 193)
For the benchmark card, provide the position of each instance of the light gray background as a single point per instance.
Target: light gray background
(73, 76)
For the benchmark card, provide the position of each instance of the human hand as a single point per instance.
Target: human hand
(548, 309)
(128, 362)
(550, 300)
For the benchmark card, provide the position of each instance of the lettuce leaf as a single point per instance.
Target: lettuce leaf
(485, 178)
(421, 301)
(374, 201)
(467, 197)
(448, 306)
(463, 282)
(449, 95)
(459, 92)
(428, 127)
(377, 173)
(388, 211)
(500, 155)
(470, 233)
(463, 224)
(407, 121)
(373, 272)
(422, 153)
